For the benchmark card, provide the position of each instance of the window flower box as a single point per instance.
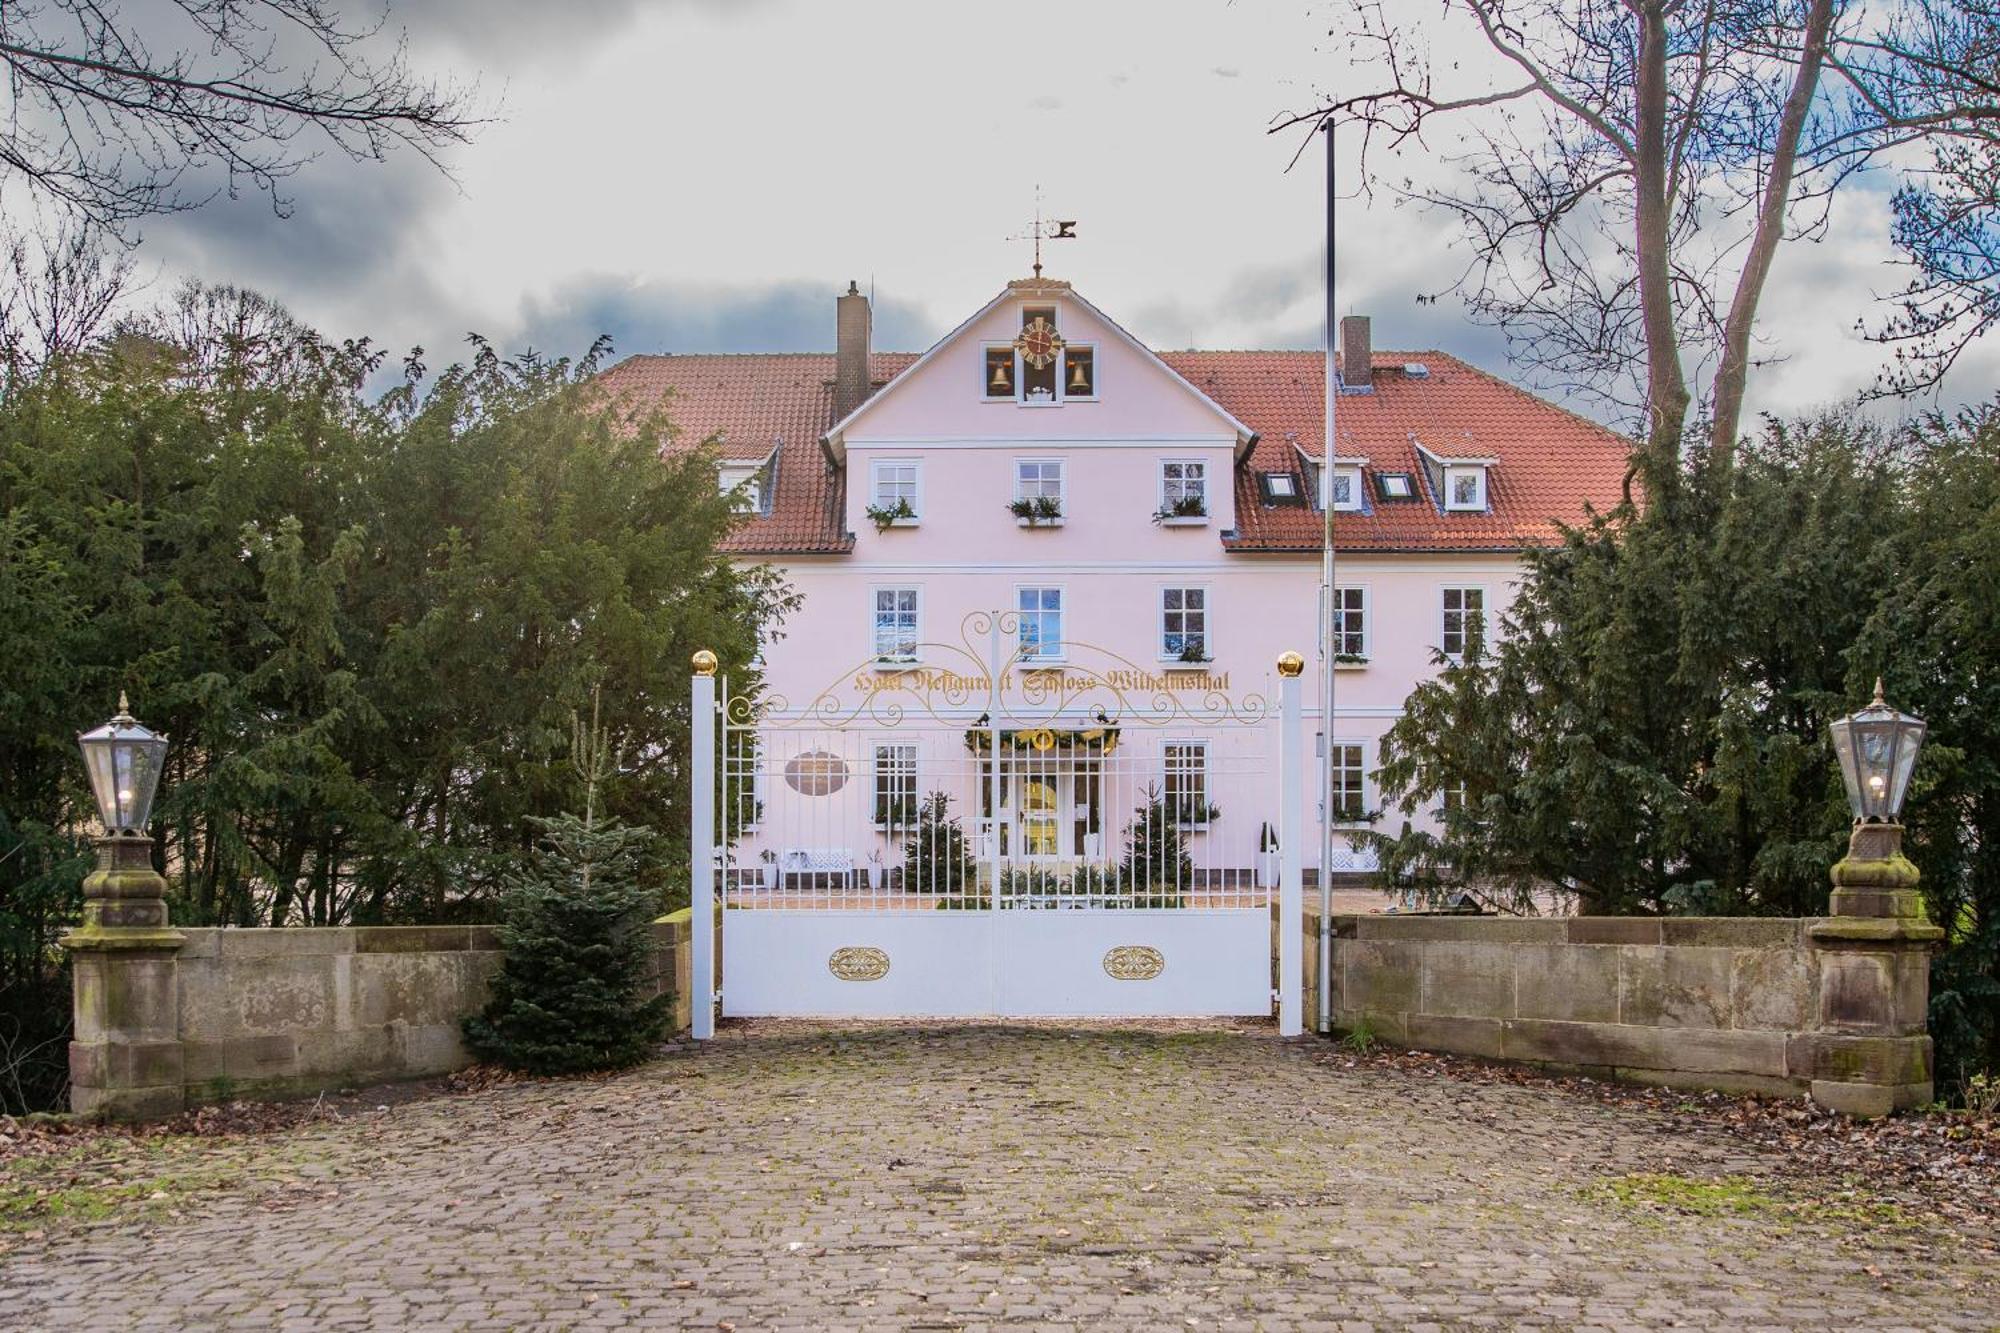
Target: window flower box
(1187, 511)
(897, 515)
(1041, 511)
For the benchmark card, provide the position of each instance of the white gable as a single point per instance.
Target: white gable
(944, 396)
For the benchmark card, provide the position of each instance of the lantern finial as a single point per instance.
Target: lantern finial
(1878, 691)
(124, 707)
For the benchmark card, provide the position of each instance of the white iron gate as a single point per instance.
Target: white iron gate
(990, 833)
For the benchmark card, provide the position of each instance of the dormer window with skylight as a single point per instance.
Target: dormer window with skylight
(1343, 488)
(1465, 488)
(743, 484)
(1039, 368)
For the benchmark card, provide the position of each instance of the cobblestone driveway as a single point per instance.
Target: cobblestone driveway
(801, 1177)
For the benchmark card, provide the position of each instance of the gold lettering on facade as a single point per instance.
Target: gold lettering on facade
(1134, 962)
(858, 963)
(924, 681)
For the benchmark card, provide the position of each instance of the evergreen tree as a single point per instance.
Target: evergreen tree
(1157, 866)
(570, 995)
(935, 858)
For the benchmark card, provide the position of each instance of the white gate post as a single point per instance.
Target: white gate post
(1291, 852)
(701, 846)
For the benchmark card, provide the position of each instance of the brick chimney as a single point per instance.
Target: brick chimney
(1356, 353)
(852, 321)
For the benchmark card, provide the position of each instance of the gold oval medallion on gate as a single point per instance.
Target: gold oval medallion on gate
(1134, 962)
(858, 963)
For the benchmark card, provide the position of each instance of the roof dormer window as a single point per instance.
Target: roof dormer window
(743, 484)
(1465, 487)
(1343, 488)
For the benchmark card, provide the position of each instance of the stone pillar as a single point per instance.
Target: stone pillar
(1870, 1052)
(125, 1057)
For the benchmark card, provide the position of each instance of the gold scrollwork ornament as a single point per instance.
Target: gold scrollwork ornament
(858, 963)
(1134, 962)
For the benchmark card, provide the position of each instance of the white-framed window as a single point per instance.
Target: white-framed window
(1451, 797)
(1465, 488)
(895, 786)
(1350, 623)
(1462, 619)
(743, 781)
(896, 624)
(1349, 782)
(1185, 784)
(1183, 487)
(1184, 624)
(1037, 478)
(1041, 623)
(896, 481)
(1343, 489)
(742, 484)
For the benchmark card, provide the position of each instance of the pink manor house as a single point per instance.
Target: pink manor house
(1148, 525)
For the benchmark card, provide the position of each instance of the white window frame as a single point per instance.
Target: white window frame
(874, 624)
(1062, 479)
(1352, 473)
(1326, 780)
(1182, 482)
(878, 770)
(1452, 472)
(750, 746)
(1061, 614)
(916, 465)
(744, 483)
(1201, 768)
(1485, 617)
(1205, 611)
(1367, 626)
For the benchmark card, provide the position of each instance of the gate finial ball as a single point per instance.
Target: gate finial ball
(704, 663)
(1290, 664)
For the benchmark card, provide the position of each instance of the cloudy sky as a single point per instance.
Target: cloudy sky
(706, 175)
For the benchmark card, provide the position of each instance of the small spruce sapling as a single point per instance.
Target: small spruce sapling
(570, 996)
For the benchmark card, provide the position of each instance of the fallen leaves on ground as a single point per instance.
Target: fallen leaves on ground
(1947, 1161)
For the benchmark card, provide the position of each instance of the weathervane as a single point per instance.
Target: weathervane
(1053, 230)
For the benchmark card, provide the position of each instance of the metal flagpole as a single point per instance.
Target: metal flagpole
(1327, 645)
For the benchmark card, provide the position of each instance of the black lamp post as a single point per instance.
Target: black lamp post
(124, 759)
(1877, 748)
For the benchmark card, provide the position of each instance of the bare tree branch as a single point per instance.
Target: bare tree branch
(113, 118)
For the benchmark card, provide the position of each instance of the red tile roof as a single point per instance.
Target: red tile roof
(750, 405)
(1552, 463)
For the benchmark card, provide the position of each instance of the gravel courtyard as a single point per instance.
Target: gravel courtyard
(800, 1176)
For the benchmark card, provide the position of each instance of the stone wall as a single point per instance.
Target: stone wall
(1833, 1007)
(219, 1013)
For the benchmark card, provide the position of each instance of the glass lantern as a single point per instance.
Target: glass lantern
(123, 759)
(1877, 748)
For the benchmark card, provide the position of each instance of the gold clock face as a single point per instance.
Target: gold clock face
(1039, 343)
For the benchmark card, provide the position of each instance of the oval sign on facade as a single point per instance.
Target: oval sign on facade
(858, 964)
(816, 773)
(1134, 962)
